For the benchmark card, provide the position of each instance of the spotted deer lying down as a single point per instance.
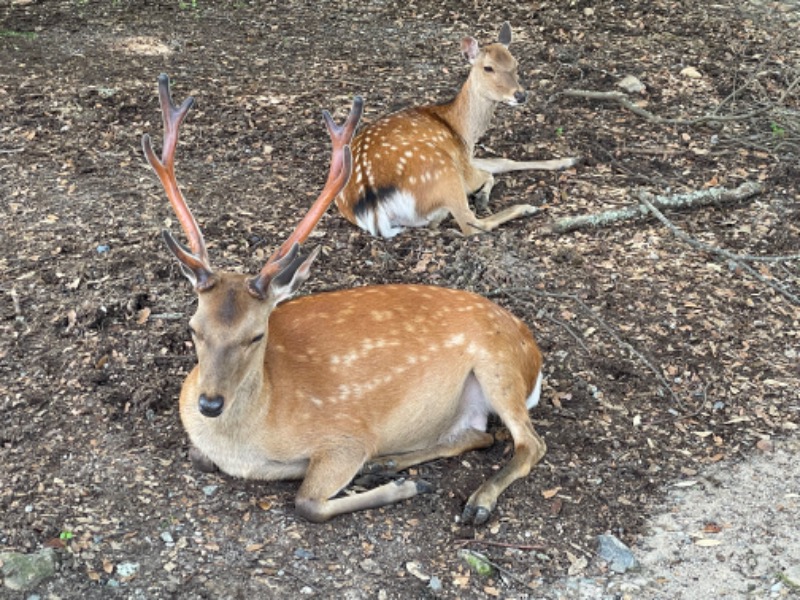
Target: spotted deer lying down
(324, 387)
(414, 167)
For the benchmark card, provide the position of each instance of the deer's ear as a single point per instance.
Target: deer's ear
(504, 37)
(470, 49)
(286, 283)
(193, 268)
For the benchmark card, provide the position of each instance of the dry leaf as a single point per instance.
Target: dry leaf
(706, 543)
(550, 493)
(712, 528)
(143, 315)
(691, 73)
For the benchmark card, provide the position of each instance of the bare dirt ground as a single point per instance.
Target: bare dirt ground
(662, 360)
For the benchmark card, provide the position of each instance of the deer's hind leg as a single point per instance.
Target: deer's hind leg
(507, 396)
(464, 441)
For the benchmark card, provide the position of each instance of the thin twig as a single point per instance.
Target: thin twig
(684, 237)
(625, 102)
(464, 542)
(558, 322)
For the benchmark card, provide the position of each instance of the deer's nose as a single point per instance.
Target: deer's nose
(520, 96)
(211, 407)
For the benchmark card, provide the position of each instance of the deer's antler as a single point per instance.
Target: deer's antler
(165, 169)
(338, 175)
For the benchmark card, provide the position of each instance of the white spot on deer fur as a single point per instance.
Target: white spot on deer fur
(359, 176)
(454, 340)
(412, 180)
(408, 153)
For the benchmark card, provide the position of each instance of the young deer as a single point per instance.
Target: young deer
(373, 379)
(413, 167)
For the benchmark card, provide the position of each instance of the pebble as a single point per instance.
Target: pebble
(631, 84)
(127, 569)
(370, 566)
(166, 536)
(435, 584)
(210, 489)
(616, 554)
(25, 571)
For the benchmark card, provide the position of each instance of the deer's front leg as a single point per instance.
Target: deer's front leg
(201, 462)
(330, 471)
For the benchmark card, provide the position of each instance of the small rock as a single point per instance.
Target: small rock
(304, 554)
(631, 84)
(25, 571)
(435, 584)
(306, 590)
(127, 569)
(209, 490)
(370, 566)
(166, 536)
(616, 554)
(416, 570)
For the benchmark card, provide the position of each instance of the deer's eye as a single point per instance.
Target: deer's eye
(257, 339)
(488, 69)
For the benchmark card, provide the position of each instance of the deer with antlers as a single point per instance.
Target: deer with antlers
(367, 380)
(414, 167)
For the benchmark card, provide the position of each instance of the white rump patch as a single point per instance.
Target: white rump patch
(392, 214)
(533, 399)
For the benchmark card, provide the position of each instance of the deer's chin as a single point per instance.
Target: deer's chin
(512, 102)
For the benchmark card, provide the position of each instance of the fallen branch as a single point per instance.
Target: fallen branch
(677, 201)
(735, 258)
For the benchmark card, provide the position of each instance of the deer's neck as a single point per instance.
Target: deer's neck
(469, 114)
(251, 402)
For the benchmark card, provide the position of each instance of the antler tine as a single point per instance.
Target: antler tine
(165, 168)
(338, 175)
